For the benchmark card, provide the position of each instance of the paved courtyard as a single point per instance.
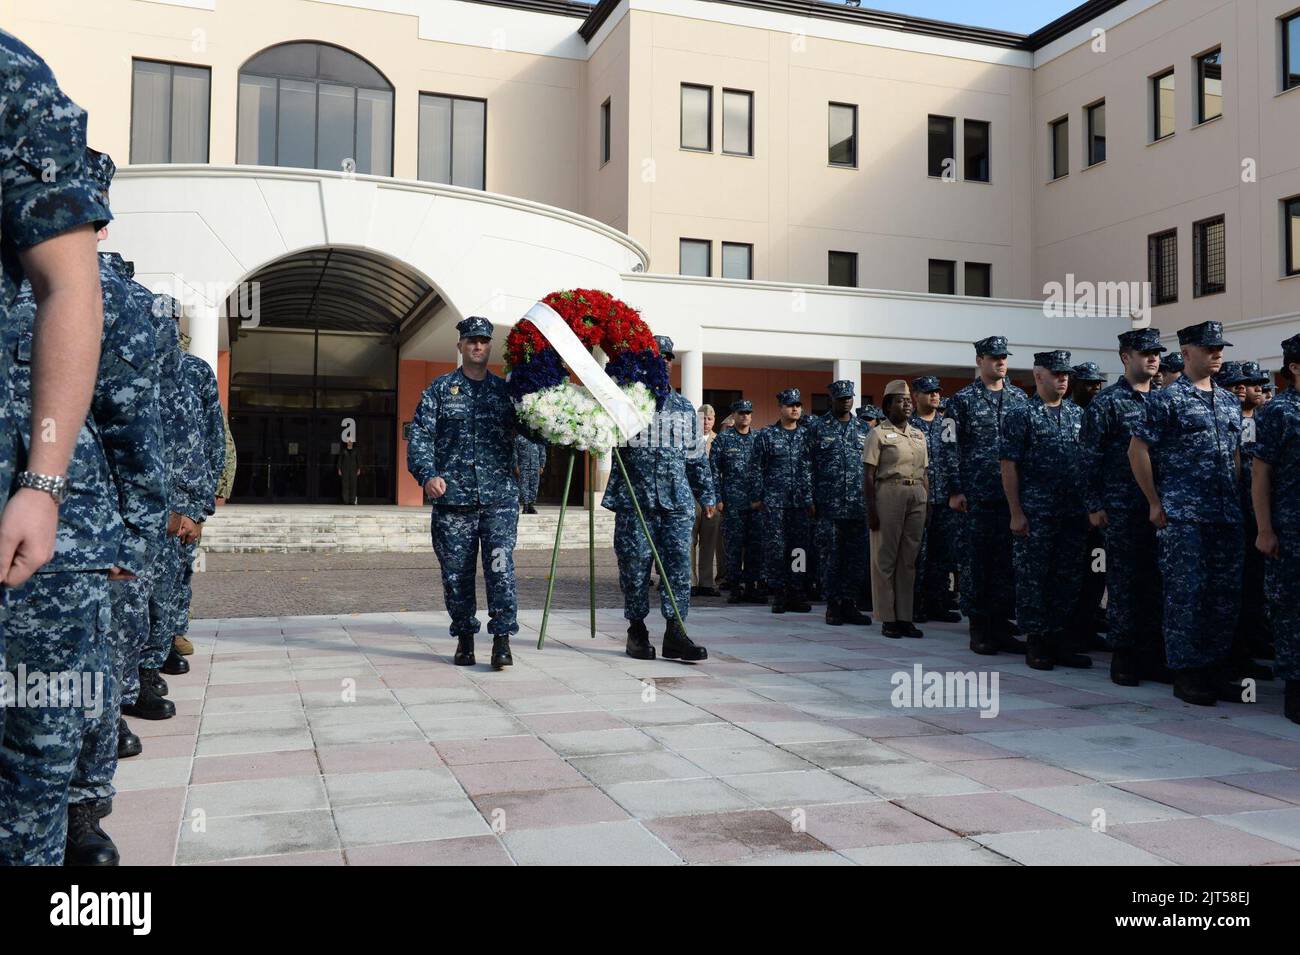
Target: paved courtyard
(338, 740)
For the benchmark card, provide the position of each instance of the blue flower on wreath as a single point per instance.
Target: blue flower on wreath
(645, 367)
(543, 370)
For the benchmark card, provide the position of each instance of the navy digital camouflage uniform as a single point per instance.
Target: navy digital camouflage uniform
(112, 517)
(1134, 605)
(835, 456)
(1044, 443)
(987, 586)
(669, 469)
(782, 482)
(934, 561)
(1252, 626)
(529, 459)
(464, 432)
(729, 461)
(1194, 437)
(1277, 443)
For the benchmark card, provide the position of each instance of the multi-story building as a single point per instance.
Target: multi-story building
(795, 191)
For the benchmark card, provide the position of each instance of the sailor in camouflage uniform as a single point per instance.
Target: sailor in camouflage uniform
(461, 451)
(669, 469)
(1117, 508)
(975, 492)
(530, 459)
(935, 560)
(835, 443)
(1171, 368)
(742, 536)
(781, 490)
(107, 528)
(1185, 456)
(1276, 498)
(1040, 474)
(1086, 382)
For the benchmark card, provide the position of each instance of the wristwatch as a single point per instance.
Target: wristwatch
(55, 487)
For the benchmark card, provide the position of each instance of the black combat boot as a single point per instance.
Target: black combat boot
(796, 601)
(981, 641)
(530, 509)
(1125, 670)
(128, 744)
(852, 615)
(1291, 701)
(891, 629)
(1004, 633)
(834, 615)
(149, 705)
(909, 629)
(678, 646)
(918, 612)
(1038, 652)
(464, 651)
(1194, 686)
(501, 652)
(756, 593)
(638, 642)
(175, 664)
(941, 614)
(87, 843)
(778, 601)
(159, 684)
(739, 595)
(1066, 655)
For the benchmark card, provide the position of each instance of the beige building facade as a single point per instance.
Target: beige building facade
(794, 192)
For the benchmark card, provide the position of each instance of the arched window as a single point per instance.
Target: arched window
(315, 106)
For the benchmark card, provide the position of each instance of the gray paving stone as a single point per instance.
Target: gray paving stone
(605, 843)
(677, 797)
(286, 794)
(234, 837)
(399, 785)
(409, 822)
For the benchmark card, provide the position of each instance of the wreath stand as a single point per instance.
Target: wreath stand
(591, 541)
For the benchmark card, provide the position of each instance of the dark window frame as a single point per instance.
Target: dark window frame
(1290, 211)
(681, 119)
(1090, 135)
(1154, 266)
(853, 263)
(451, 143)
(987, 269)
(708, 243)
(1290, 56)
(606, 125)
(952, 275)
(1063, 138)
(929, 144)
(966, 125)
(1156, 135)
(1200, 85)
(722, 260)
(830, 106)
(207, 158)
(1201, 284)
(749, 95)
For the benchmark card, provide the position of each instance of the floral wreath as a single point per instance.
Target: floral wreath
(564, 412)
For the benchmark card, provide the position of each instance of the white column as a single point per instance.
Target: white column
(848, 370)
(692, 363)
(204, 329)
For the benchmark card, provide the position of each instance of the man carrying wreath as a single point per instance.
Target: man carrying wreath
(669, 468)
(461, 450)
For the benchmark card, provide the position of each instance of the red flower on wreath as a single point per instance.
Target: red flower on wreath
(596, 317)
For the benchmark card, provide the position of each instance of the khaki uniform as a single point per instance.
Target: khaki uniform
(900, 458)
(704, 542)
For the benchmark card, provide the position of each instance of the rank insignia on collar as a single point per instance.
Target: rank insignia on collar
(455, 389)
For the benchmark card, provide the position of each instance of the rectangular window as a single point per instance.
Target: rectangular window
(843, 145)
(943, 277)
(1162, 105)
(604, 132)
(1291, 52)
(943, 146)
(1060, 136)
(453, 140)
(169, 112)
(1209, 86)
(842, 269)
(1209, 257)
(1162, 266)
(975, 135)
(737, 260)
(1096, 133)
(695, 257)
(697, 117)
(1291, 224)
(738, 122)
(979, 279)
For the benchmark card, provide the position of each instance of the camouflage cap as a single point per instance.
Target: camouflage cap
(926, 384)
(871, 413)
(742, 406)
(1252, 374)
(1229, 374)
(1058, 360)
(1173, 361)
(476, 326)
(841, 389)
(1088, 371)
(994, 345)
(1205, 334)
(1291, 349)
(1141, 339)
(790, 396)
(665, 346)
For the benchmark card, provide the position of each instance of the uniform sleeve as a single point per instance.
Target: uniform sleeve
(421, 457)
(871, 450)
(952, 452)
(758, 468)
(214, 426)
(44, 190)
(1015, 435)
(714, 457)
(1270, 435)
(1156, 421)
(1093, 431)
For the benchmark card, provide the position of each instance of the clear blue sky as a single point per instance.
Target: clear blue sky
(1018, 16)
